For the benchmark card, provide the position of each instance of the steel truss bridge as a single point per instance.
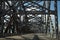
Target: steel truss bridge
(28, 16)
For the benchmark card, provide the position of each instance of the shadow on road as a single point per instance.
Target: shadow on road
(34, 38)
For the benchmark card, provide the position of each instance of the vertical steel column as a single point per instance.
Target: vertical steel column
(56, 18)
(0, 18)
(49, 16)
(44, 10)
(25, 28)
(2, 7)
(48, 23)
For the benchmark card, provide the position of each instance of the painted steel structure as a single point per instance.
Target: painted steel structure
(15, 16)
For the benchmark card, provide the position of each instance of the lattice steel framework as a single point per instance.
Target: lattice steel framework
(11, 13)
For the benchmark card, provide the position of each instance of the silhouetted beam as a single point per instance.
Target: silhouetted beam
(48, 22)
(56, 18)
(49, 15)
(39, 12)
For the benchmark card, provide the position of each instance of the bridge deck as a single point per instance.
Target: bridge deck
(31, 36)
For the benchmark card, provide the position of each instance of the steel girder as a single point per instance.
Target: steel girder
(13, 8)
